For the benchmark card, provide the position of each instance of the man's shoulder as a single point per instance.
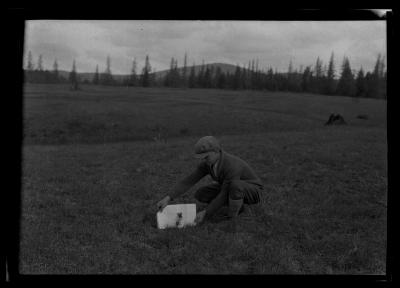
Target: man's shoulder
(231, 157)
(231, 160)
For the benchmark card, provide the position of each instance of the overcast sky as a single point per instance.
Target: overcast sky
(273, 43)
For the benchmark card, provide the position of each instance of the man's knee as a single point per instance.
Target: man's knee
(236, 190)
(204, 195)
(199, 195)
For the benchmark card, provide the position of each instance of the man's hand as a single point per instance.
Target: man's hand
(162, 203)
(200, 217)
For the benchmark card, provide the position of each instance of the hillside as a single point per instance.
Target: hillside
(88, 76)
(225, 68)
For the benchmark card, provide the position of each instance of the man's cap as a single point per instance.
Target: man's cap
(205, 145)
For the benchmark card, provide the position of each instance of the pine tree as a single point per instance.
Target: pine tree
(370, 84)
(257, 65)
(306, 79)
(207, 77)
(172, 78)
(55, 71)
(318, 69)
(244, 78)
(361, 85)
(379, 67)
(219, 78)
(330, 77)
(384, 88)
(377, 81)
(40, 63)
(146, 73)
(168, 75)
(346, 85)
(374, 89)
(108, 68)
(269, 85)
(133, 76)
(316, 79)
(200, 76)
(30, 63)
(290, 77)
(106, 77)
(192, 77)
(184, 72)
(176, 77)
(252, 75)
(96, 77)
(212, 72)
(237, 78)
(73, 77)
(109, 78)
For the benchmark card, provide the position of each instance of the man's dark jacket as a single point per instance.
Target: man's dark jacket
(229, 168)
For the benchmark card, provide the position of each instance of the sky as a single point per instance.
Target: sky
(273, 43)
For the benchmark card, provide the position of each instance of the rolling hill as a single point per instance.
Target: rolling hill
(225, 68)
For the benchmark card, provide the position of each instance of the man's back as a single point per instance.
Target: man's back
(231, 167)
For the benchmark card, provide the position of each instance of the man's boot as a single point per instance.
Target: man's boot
(233, 211)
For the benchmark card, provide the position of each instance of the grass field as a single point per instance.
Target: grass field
(96, 161)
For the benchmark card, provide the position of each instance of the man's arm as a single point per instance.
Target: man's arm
(189, 181)
(183, 186)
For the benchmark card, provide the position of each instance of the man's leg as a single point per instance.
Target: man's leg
(207, 193)
(241, 192)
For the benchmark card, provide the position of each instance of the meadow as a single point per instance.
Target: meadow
(95, 162)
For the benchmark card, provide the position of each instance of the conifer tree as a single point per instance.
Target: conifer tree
(330, 77)
(192, 77)
(207, 77)
(73, 77)
(40, 63)
(316, 79)
(200, 76)
(220, 78)
(306, 79)
(374, 80)
(30, 62)
(133, 76)
(244, 78)
(237, 78)
(361, 85)
(318, 69)
(55, 71)
(346, 85)
(270, 85)
(146, 73)
(184, 72)
(176, 77)
(106, 77)
(96, 77)
(172, 78)
(290, 77)
(384, 88)
(377, 81)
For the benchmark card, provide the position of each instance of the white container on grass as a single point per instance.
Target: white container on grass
(176, 216)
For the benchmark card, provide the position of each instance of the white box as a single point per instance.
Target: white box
(177, 216)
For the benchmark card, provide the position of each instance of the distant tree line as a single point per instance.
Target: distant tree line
(317, 78)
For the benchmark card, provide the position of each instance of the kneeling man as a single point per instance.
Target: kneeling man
(235, 183)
